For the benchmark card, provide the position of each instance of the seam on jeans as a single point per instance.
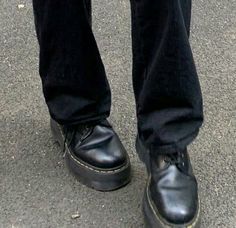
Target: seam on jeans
(88, 167)
(141, 49)
(140, 33)
(86, 12)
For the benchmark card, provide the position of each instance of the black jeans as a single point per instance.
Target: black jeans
(167, 91)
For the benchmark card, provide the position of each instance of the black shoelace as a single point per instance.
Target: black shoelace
(71, 132)
(173, 159)
(176, 159)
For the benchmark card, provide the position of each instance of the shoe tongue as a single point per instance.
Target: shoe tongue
(173, 159)
(75, 131)
(178, 159)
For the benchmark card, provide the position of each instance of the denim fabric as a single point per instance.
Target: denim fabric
(166, 86)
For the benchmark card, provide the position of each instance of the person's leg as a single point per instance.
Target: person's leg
(77, 94)
(73, 76)
(167, 91)
(169, 109)
(88, 5)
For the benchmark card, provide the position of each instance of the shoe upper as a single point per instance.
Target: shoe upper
(97, 145)
(173, 187)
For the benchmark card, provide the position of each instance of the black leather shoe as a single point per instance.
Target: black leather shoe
(171, 194)
(95, 154)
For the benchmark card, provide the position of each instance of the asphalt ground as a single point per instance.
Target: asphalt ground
(36, 189)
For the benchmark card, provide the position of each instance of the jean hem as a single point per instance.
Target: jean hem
(173, 147)
(82, 121)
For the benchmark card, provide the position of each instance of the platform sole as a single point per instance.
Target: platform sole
(96, 178)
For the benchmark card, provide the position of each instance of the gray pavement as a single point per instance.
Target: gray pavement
(37, 190)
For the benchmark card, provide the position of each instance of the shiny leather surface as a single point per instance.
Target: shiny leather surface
(173, 188)
(98, 145)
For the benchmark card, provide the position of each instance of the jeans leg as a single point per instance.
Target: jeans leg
(88, 5)
(74, 82)
(166, 85)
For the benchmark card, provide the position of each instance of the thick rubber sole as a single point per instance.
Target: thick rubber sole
(152, 218)
(93, 177)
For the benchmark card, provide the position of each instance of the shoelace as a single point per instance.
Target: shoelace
(173, 159)
(177, 159)
(73, 131)
(65, 141)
